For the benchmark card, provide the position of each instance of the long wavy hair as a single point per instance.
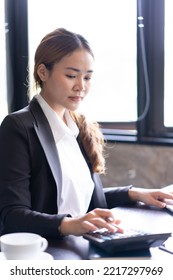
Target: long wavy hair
(52, 48)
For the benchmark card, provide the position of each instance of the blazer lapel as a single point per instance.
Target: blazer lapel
(46, 139)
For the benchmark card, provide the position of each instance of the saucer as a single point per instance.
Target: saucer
(42, 256)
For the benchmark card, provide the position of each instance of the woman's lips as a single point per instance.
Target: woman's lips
(75, 98)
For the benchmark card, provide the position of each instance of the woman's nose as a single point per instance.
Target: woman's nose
(80, 85)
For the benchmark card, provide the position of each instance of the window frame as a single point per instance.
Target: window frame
(16, 53)
(149, 130)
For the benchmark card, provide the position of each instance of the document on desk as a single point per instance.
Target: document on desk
(145, 218)
(169, 206)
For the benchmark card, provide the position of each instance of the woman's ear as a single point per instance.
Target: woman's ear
(42, 72)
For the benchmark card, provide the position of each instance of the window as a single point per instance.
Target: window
(132, 41)
(156, 127)
(100, 22)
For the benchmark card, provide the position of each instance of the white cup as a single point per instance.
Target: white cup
(22, 245)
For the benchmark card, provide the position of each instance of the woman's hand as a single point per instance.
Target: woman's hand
(93, 220)
(155, 197)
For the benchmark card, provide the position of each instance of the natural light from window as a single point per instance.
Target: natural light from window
(110, 27)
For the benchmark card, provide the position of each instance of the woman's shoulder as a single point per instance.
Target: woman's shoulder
(24, 115)
(20, 118)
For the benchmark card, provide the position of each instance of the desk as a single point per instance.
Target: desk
(143, 217)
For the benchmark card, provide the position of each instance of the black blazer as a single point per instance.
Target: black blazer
(30, 176)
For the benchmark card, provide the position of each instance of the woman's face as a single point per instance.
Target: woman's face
(67, 84)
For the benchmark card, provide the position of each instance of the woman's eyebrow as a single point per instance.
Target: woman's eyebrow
(78, 70)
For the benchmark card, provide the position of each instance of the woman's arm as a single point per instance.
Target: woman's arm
(117, 196)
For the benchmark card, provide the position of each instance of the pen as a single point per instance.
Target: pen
(163, 248)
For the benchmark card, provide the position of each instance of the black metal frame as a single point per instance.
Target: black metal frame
(16, 53)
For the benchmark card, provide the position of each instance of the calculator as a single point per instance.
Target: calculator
(130, 239)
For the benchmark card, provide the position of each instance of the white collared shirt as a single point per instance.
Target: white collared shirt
(77, 184)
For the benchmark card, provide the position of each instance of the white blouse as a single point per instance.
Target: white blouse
(77, 184)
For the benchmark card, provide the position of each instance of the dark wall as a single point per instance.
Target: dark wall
(141, 165)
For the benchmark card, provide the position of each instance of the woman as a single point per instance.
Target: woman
(51, 156)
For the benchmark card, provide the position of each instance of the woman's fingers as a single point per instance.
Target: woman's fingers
(102, 218)
(93, 220)
(160, 198)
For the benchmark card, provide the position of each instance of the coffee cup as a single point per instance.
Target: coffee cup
(22, 245)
